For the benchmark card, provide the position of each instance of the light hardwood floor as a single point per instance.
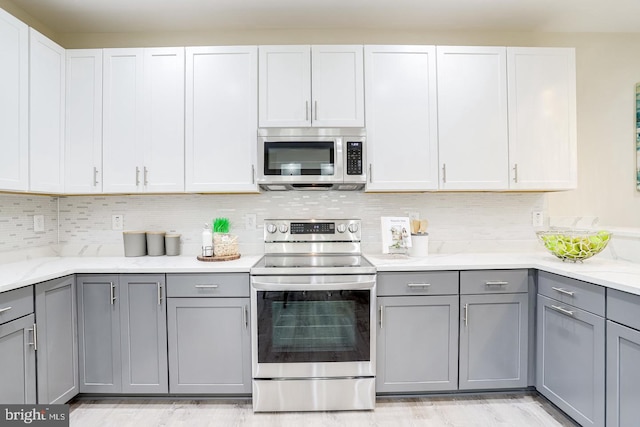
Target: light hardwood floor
(458, 411)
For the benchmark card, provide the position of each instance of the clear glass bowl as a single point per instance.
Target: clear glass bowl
(574, 245)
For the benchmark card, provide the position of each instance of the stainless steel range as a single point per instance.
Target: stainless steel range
(313, 318)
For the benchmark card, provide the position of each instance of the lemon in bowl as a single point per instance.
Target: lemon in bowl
(574, 245)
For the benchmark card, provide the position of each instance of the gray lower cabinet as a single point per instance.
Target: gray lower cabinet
(623, 359)
(55, 305)
(570, 360)
(18, 365)
(494, 341)
(122, 333)
(209, 334)
(623, 376)
(417, 343)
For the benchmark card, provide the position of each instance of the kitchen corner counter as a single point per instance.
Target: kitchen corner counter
(620, 275)
(18, 274)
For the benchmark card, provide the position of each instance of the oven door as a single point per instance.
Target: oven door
(313, 326)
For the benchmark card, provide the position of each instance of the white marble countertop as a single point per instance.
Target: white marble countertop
(19, 274)
(624, 276)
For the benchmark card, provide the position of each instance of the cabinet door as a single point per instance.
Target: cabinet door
(417, 344)
(570, 360)
(46, 114)
(163, 151)
(209, 345)
(122, 115)
(285, 86)
(83, 136)
(143, 314)
(14, 103)
(542, 118)
(18, 367)
(494, 341)
(221, 114)
(337, 86)
(472, 118)
(402, 144)
(99, 334)
(623, 375)
(57, 340)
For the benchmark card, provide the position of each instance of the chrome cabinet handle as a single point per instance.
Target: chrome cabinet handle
(466, 314)
(306, 110)
(253, 174)
(159, 293)
(95, 176)
(315, 110)
(113, 293)
(146, 176)
(245, 317)
(563, 310)
(137, 176)
(495, 283)
(563, 291)
(381, 316)
(2, 310)
(35, 337)
(418, 285)
(206, 286)
(515, 172)
(444, 173)
(370, 173)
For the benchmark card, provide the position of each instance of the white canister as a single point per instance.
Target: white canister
(419, 245)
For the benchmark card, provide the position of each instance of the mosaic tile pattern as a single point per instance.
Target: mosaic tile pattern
(16, 221)
(455, 219)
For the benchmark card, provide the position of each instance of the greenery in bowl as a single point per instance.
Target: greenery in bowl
(574, 245)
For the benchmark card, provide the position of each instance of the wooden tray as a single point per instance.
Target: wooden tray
(218, 258)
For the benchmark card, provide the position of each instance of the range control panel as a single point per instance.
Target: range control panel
(335, 230)
(354, 157)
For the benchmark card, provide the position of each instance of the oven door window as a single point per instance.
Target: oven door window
(313, 326)
(299, 158)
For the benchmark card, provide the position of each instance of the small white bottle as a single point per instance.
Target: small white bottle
(207, 241)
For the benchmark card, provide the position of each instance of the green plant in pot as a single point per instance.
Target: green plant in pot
(224, 243)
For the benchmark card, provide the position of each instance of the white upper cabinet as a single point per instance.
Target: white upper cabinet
(303, 86)
(542, 118)
(143, 141)
(221, 119)
(163, 105)
(46, 114)
(83, 135)
(337, 86)
(472, 118)
(122, 116)
(14, 103)
(402, 133)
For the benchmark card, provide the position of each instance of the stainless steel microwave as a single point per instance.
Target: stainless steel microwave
(311, 159)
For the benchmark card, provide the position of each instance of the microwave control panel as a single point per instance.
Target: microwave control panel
(354, 157)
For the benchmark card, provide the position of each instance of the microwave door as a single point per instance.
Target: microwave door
(301, 161)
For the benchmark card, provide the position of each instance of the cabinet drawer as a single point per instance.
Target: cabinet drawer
(16, 303)
(577, 293)
(493, 281)
(418, 283)
(624, 308)
(208, 285)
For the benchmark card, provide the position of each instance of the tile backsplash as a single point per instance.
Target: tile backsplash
(458, 222)
(16, 221)
(81, 225)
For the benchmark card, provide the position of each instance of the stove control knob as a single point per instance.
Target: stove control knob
(283, 228)
(341, 228)
(271, 228)
(353, 227)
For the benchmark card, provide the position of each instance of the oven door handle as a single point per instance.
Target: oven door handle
(269, 286)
